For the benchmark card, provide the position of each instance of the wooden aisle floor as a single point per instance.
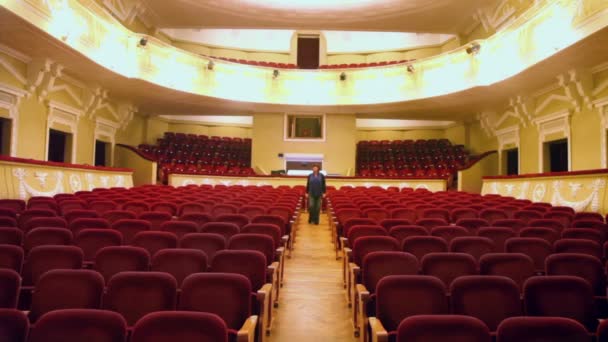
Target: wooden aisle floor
(312, 304)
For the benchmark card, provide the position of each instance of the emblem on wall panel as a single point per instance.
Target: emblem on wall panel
(75, 183)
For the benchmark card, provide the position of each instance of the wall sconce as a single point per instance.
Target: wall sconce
(474, 49)
(342, 76)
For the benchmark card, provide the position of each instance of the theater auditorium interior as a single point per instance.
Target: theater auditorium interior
(154, 159)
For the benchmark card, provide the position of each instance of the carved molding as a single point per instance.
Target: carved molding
(10, 99)
(492, 18)
(550, 124)
(63, 114)
(602, 109)
(507, 136)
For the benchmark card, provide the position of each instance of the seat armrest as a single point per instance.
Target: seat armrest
(362, 293)
(379, 334)
(247, 331)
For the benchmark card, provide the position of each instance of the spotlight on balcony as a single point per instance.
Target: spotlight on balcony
(210, 65)
(473, 49)
(410, 68)
(343, 76)
(143, 42)
(275, 73)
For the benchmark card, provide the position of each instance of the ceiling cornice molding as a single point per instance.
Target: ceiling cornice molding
(15, 54)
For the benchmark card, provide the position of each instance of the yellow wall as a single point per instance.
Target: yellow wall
(34, 108)
(400, 134)
(338, 149)
(470, 180)
(457, 134)
(211, 130)
(155, 128)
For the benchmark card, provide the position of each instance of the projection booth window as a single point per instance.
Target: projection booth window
(304, 127)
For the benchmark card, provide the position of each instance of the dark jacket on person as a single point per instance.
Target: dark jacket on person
(315, 186)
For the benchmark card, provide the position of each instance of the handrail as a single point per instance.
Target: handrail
(62, 165)
(327, 177)
(551, 174)
(476, 159)
(138, 152)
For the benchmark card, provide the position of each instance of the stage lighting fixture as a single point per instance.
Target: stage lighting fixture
(143, 42)
(343, 76)
(210, 65)
(473, 49)
(410, 68)
(275, 73)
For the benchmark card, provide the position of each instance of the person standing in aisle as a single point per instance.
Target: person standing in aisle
(315, 191)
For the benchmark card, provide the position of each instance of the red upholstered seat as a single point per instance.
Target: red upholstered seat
(45, 258)
(449, 232)
(585, 266)
(153, 241)
(208, 243)
(587, 247)
(37, 222)
(115, 215)
(442, 328)
(11, 257)
(129, 227)
(224, 294)
(179, 228)
(135, 294)
(86, 223)
(423, 245)
(79, 289)
(79, 325)
(561, 296)
(401, 232)
(47, 236)
(516, 266)
(402, 296)
(14, 325)
(186, 325)
(155, 218)
(554, 329)
(225, 229)
(92, 240)
(470, 296)
(80, 213)
(498, 235)
(448, 266)
(472, 224)
(10, 286)
(179, 262)
(115, 259)
(536, 248)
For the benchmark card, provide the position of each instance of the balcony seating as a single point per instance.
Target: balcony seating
(407, 158)
(200, 154)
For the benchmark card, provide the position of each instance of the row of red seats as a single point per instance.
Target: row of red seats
(197, 204)
(380, 221)
(226, 291)
(198, 252)
(275, 65)
(402, 158)
(101, 325)
(179, 152)
(364, 65)
(486, 305)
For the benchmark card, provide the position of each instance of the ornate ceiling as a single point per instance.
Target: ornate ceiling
(432, 16)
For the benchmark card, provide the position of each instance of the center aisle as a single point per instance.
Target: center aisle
(312, 304)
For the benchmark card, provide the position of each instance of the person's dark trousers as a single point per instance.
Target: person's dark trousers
(314, 208)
